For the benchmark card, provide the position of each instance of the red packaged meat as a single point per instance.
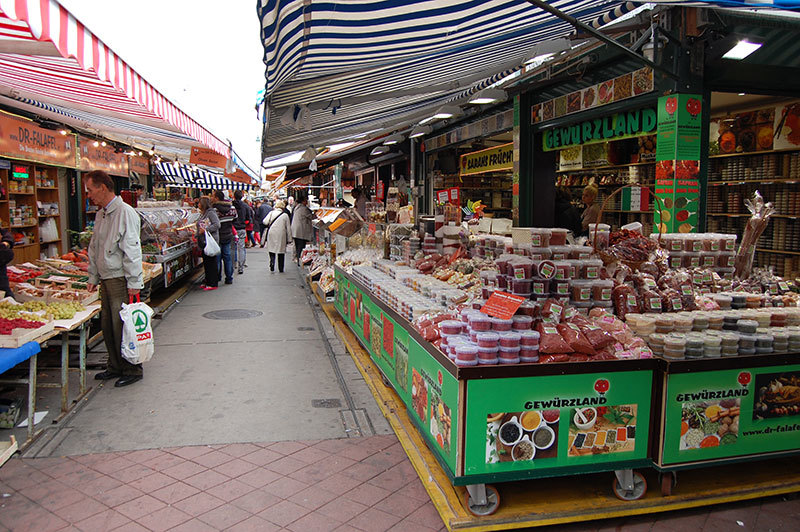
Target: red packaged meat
(571, 333)
(596, 336)
(625, 300)
(551, 341)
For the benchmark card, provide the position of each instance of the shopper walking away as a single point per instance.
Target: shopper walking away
(208, 227)
(302, 230)
(6, 256)
(240, 223)
(249, 226)
(277, 232)
(592, 209)
(226, 213)
(262, 210)
(115, 263)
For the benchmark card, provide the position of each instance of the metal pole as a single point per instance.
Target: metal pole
(64, 370)
(601, 37)
(412, 180)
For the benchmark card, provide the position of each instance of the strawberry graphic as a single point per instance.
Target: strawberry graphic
(671, 105)
(744, 378)
(694, 107)
(601, 386)
(439, 377)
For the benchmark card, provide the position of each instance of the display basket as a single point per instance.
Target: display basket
(609, 258)
(9, 412)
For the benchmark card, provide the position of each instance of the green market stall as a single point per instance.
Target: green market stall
(461, 411)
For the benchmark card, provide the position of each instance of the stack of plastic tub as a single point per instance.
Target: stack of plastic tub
(729, 343)
(780, 339)
(675, 346)
(529, 346)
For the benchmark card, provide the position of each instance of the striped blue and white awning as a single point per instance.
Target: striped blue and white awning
(337, 69)
(181, 175)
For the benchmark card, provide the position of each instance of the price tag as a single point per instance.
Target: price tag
(783, 286)
(502, 305)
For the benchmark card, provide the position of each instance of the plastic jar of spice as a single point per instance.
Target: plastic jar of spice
(754, 301)
(503, 281)
(709, 259)
(520, 268)
(738, 300)
(558, 236)
(747, 341)
(560, 288)
(675, 341)
(501, 325)
(580, 291)
(530, 308)
(665, 323)
(674, 353)
(780, 340)
(601, 291)
(510, 339)
(541, 287)
(450, 327)
(560, 252)
(509, 355)
(580, 252)
(473, 336)
(563, 270)
(684, 322)
(521, 322)
(521, 287)
(676, 259)
(716, 321)
(546, 269)
(540, 237)
(778, 318)
(480, 322)
(529, 339)
(723, 300)
(590, 268)
(599, 235)
(487, 356)
(700, 322)
(529, 353)
(747, 326)
(691, 260)
(727, 242)
(466, 355)
(465, 314)
(487, 339)
(764, 343)
(730, 321)
(502, 264)
(763, 317)
(725, 259)
(656, 342)
(792, 317)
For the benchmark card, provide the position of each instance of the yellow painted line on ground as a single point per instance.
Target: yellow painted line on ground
(554, 501)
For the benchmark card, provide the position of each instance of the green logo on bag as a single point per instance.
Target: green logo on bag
(139, 320)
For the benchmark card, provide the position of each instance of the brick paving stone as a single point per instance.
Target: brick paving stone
(356, 453)
(21, 513)
(80, 510)
(212, 459)
(286, 447)
(164, 519)
(57, 468)
(144, 455)
(58, 499)
(672, 522)
(134, 472)
(414, 489)
(152, 482)
(426, 515)
(239, 449)
(184, 470)
(319, 471)
(347, 528)
(285, 487)
(198, 504)
(230, 490)
(314, 523)
(334, 446)
(175, 492)
(283, 513)
(783, 504)
(194, 525)
(205, 480)
(107, 520)
(256, 501)
(110, 467)
(776, 522)
(285, 465)
(312, 497)
(80, 476)
(98, 486)
(140, 507)
(372, 520)
(32, 478)
(119, 495)
(224, 516)
(189, 453)
(392, 479)
(310, 455)
(411, 526)
(362, 472)
(399, 506)
(367, 494)
(235, 468)
(342, 509)
(338, 483)
(262, 457)
(163, 461)
(254, 524)
(131, 526)
(259, 477)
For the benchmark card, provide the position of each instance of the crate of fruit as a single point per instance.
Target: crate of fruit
(83, 297)
(18, 331)
(9, 412)
(62, 281)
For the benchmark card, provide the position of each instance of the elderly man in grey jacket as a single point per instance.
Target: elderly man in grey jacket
(115, 264)
(302, 230)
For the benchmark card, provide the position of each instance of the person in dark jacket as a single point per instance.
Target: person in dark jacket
(6, 256)
(566, 215)
(226, 214)
(243, 215)
(261, 212)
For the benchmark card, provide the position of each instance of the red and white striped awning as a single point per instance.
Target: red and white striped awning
(49, 56)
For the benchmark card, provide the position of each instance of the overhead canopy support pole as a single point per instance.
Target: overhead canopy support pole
(578, 25)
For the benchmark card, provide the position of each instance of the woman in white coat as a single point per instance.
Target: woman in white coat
(279, 232)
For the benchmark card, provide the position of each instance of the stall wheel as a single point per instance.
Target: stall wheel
(668, 480)
(491, 506)
(639, 487)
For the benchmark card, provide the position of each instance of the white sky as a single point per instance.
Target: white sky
(204, 55)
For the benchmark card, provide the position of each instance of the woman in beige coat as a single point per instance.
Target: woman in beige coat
(279, 231)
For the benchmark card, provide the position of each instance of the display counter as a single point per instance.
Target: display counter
(504, 423)
(167, 240)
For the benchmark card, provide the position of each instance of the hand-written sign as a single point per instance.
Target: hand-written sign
(502, 305)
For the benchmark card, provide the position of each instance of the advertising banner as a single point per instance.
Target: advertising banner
(140, 165)
(539, 423)
(489, 160)
(101, 158)
(728, 413)
(678, 163)
(612, 127)
(23, 140)
(206, 157)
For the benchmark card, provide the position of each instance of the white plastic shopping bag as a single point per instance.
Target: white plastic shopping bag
(212, 248)
(137, 332)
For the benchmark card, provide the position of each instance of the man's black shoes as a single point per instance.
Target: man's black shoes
(126, 380)
(106, 375)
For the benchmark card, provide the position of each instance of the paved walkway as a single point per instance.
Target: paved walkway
(226, 433)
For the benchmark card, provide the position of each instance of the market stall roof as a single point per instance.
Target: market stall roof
(338, 69)
(181, 175)
(48, 57)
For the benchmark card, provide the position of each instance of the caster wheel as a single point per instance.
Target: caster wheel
(638, 491)
(491, 506)
(668, 481)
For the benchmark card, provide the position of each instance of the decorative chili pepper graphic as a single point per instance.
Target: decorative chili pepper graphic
(602, 386)
(744, 378)
(671, 105)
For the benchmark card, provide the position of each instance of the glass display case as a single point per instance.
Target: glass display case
(166, 237)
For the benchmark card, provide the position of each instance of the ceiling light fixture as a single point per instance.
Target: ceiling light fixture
(741, 50)
(397, 138)
(64, 132)
(103, 144)
(420, 131)
(447, 111)
(487, 96)
(379, 150)
(95, 144)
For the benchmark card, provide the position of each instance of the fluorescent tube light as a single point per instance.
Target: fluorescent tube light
(741, 50)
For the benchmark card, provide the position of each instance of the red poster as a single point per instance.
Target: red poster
(379, 190)
(388, 337)
(502, 305)
(366, 327)
(443, 196)
(455, 196)
(352, 309)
